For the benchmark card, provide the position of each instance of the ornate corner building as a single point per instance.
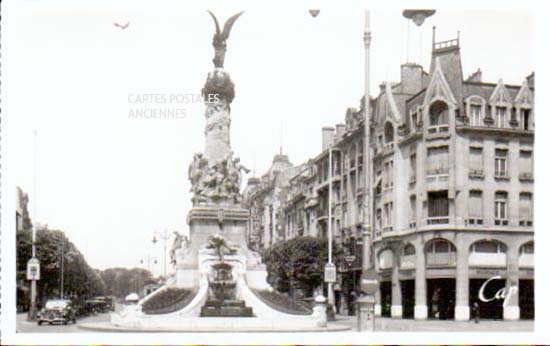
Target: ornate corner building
(453, 185)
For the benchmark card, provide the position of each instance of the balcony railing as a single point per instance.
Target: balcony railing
(476, 173)
(438, 220)
(526, 223)
(475, 221)
(441, 259)
(387, 229)
(438, 171)
(526, 176)
(501, 222)
(438, 129)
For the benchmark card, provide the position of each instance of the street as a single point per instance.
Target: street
(382, 324)
(24, 326)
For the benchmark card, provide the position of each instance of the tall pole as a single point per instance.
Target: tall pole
(62, 266)
(329, 288)
(368, 197)
(165, 239)
(32, 310)
(164, 236)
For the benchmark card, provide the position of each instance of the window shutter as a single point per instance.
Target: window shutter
(525, 206)
(475, 204)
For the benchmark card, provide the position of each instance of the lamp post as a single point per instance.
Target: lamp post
(62, 284)
(147, 259)
(164, 235)
(33, 260)
(369, 277)
(330, 291)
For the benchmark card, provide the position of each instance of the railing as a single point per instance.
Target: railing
(446, 44)
(441, 259)
(476, 173)
(501, 174)
(438, 129)
(387, 229)
(526, 176)
(475, 221)
(438, 171)
(501, 222)
(438, 220)
(526, 223)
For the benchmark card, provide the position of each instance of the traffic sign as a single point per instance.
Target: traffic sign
(370, 281)
(330, 272)
(33, 269)
(350, 259)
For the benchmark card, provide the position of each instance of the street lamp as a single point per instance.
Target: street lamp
(62, 284)
(164, 235)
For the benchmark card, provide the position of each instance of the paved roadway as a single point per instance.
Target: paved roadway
(24, 326)
(382, 324)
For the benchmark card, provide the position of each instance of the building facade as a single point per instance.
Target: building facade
(264, 197)
(453, 179)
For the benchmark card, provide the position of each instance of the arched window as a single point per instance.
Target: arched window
(440, 246)
(526, 255)
(439, 113)
(409, 250)
(488, 246)
(487, 253)
(408, 257)
(527, 248)
(439, 117)
(440, 252)
(385, 259)
(388, 133)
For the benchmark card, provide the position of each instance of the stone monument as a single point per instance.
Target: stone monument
(219, 284)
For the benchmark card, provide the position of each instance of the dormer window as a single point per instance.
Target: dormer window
(475, 109)
(525, 117)
(415, 114)
(500, 116)
(439, 117)
(475, 115)
(388, 135)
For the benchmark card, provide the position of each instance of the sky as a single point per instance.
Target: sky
(110, 181)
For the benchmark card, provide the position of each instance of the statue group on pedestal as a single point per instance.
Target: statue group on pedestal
(220, 182)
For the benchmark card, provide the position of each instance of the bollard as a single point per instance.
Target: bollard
(365, 313)
(320, 309)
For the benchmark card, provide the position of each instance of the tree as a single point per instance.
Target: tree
(80, 281)
(298, 262)
(120, 282)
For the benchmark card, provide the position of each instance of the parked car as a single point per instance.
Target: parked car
(109, 302)
(95, 306)
(60, 310)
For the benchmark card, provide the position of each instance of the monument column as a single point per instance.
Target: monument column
(420, 307)
(511, 303)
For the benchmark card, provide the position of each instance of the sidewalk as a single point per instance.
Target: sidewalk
(387, 324)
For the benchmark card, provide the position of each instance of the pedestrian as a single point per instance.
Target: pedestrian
(475, 312)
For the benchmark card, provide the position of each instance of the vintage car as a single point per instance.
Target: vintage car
(109, 303)
(57, 311)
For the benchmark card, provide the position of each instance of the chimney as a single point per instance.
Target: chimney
(340, 130)
(475, 77)
(411, 78)
(328, 137)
